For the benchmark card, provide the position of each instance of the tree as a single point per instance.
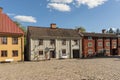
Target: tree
(118, 31)
(81, 29)
(23, 29)
(111, 30)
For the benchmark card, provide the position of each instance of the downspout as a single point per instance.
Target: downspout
(22, 50)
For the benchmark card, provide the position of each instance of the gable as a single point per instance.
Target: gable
(8, 26)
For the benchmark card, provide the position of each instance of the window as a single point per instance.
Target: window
(107, 43)
(63, 42)
(107, 38)
(89, 38)
(15, 40)
(107, 50)
(114, 44)
(15, 53)
(40, 52)
(63, 52)
(100, 50)
(90, 51)
(100, 44)
(40, 41)
(89, 44)
(4, 53)
(76, 42)
(52, 42)
(100, 38)
(3, 40)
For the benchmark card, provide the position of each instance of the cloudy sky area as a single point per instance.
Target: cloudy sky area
(94, 15)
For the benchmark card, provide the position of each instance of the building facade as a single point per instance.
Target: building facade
(52, 42)
(119, 44)
(99, 44)
(11, 39)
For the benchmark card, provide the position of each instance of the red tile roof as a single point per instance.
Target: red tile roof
(8, 26)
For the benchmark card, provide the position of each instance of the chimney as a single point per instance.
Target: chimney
(53, 26)
(1, 9)
(103, 30)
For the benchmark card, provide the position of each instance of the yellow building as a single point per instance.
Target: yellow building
(11, 40)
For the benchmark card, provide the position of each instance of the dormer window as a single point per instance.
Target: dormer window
(99, 38)
(89, 38)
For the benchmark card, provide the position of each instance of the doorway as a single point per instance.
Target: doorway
(52, 54)
(114, 52)
(76, 54)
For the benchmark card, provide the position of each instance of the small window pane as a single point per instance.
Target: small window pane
(107, 50)
(114, 44)
(100, 44)
(63, 42)
(89, 44)
(90, 51)
(3, 40)
(15, 53)
(52, 41)
(100, 38)
(89, 38)
(107, 43)
(4, 53)
(14, 40)
(40, 52)
(40, 41)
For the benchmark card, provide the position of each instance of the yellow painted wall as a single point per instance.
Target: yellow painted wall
(9, 47)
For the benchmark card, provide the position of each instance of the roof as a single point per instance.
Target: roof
(38, 32)
(7, 26)
(100, 35)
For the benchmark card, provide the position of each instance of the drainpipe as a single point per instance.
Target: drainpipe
(22, 50)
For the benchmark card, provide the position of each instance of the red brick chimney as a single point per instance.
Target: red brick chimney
(1, 10)
(53, 26)
(103, 30)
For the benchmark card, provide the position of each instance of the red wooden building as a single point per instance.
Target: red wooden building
(118, 45)
(99, 44)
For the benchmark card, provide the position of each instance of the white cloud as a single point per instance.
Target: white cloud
(61, 1)
(90, 3)
(59, 7)
(65, 5)
(10, 14)
(23, 18)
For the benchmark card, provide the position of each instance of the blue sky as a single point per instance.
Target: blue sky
(93, 15)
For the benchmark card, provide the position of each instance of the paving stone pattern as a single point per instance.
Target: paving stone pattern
(68, 69)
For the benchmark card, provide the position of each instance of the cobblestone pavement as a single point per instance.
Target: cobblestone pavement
(67, 69)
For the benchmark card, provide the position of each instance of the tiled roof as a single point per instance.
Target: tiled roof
(7, 26)
(37, 32)
(99, 35)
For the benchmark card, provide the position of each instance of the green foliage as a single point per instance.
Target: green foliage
(23, 28)
(118, 31)
(82, 29)
(111, 30)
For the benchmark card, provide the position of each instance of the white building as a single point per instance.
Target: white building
(46, 43)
